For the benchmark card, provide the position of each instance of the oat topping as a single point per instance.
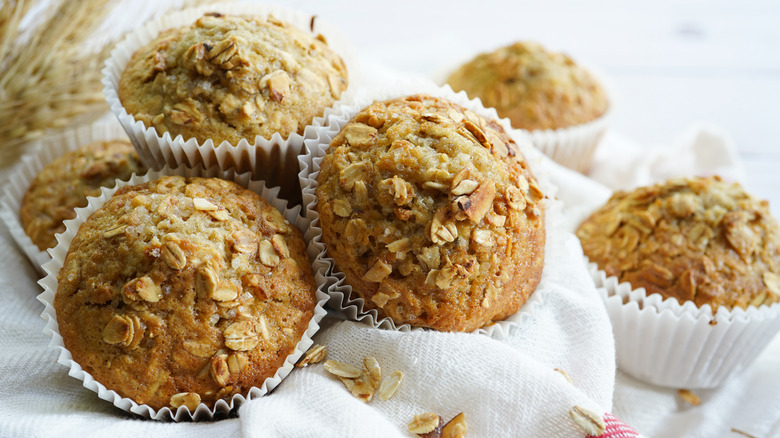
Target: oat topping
(232, 77)
(182, 296)
(424, 423)
(315, 354)
(689, 397)
(588, 421)
(699, 239)
(419, 194)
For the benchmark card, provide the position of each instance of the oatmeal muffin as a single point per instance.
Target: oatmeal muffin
(534, 88)
(64, 185)
(232, 77)
(432, 214)
(180, 291)
(700, 239)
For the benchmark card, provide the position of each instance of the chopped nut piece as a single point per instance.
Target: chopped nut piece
(772, 282)
(390, 385)
(359, 135)
(372, 372)
(483, 237)
(115, 231)
(689, 397)
(118, 331)
(189, 399)
(240, 336)
(172, 254)
(515, 198)
(353, 173)
(378, 272)
(278, 85)
(403, 192)
(219, 369)
(465, 187)
(424, 423)
(148, 290)
(430, 279)
(342, 369)
(204, 204)
(262, 327)
(342, 208)
(480, 201)
(588, 421)
(268, 255)
(315, 354)
(245, 241)
(280, 245)
(430, 256)
(442, 229)
(380, 299)
(206, 281)
(455, 428)
(400, 245)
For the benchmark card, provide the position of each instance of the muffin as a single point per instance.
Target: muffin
(534, 88)
(64, 185)
(432, 214)
(182, 291)
(228, 78)
(699, 239)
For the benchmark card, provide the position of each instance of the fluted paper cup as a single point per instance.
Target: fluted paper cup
(221, 407)
(668, 344)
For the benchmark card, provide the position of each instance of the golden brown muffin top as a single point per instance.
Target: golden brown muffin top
(65, 183)
(180, 291)
(534, 88)
(432, 213)
(698, 239)
(232, 77)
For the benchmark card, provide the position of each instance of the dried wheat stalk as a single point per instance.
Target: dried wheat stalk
(47, 79)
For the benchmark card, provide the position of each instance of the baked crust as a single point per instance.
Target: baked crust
(698, 239)
(184, 286)
(534, 88)
(232, 77)
(432, 214)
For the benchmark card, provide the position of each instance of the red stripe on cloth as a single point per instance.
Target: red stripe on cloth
(617, 429)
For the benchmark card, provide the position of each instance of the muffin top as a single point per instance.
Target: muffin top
(432, 214)
(534, 88)
(232, 77)
(699, 239)
(64, 184)
(180, 291)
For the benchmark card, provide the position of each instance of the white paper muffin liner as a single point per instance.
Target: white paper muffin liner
(202, 412)
(682, 346)
(272, 159)
(41, 153)
(353, 308)
(574, 146)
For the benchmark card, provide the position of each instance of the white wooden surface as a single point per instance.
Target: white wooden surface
(670, 63)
